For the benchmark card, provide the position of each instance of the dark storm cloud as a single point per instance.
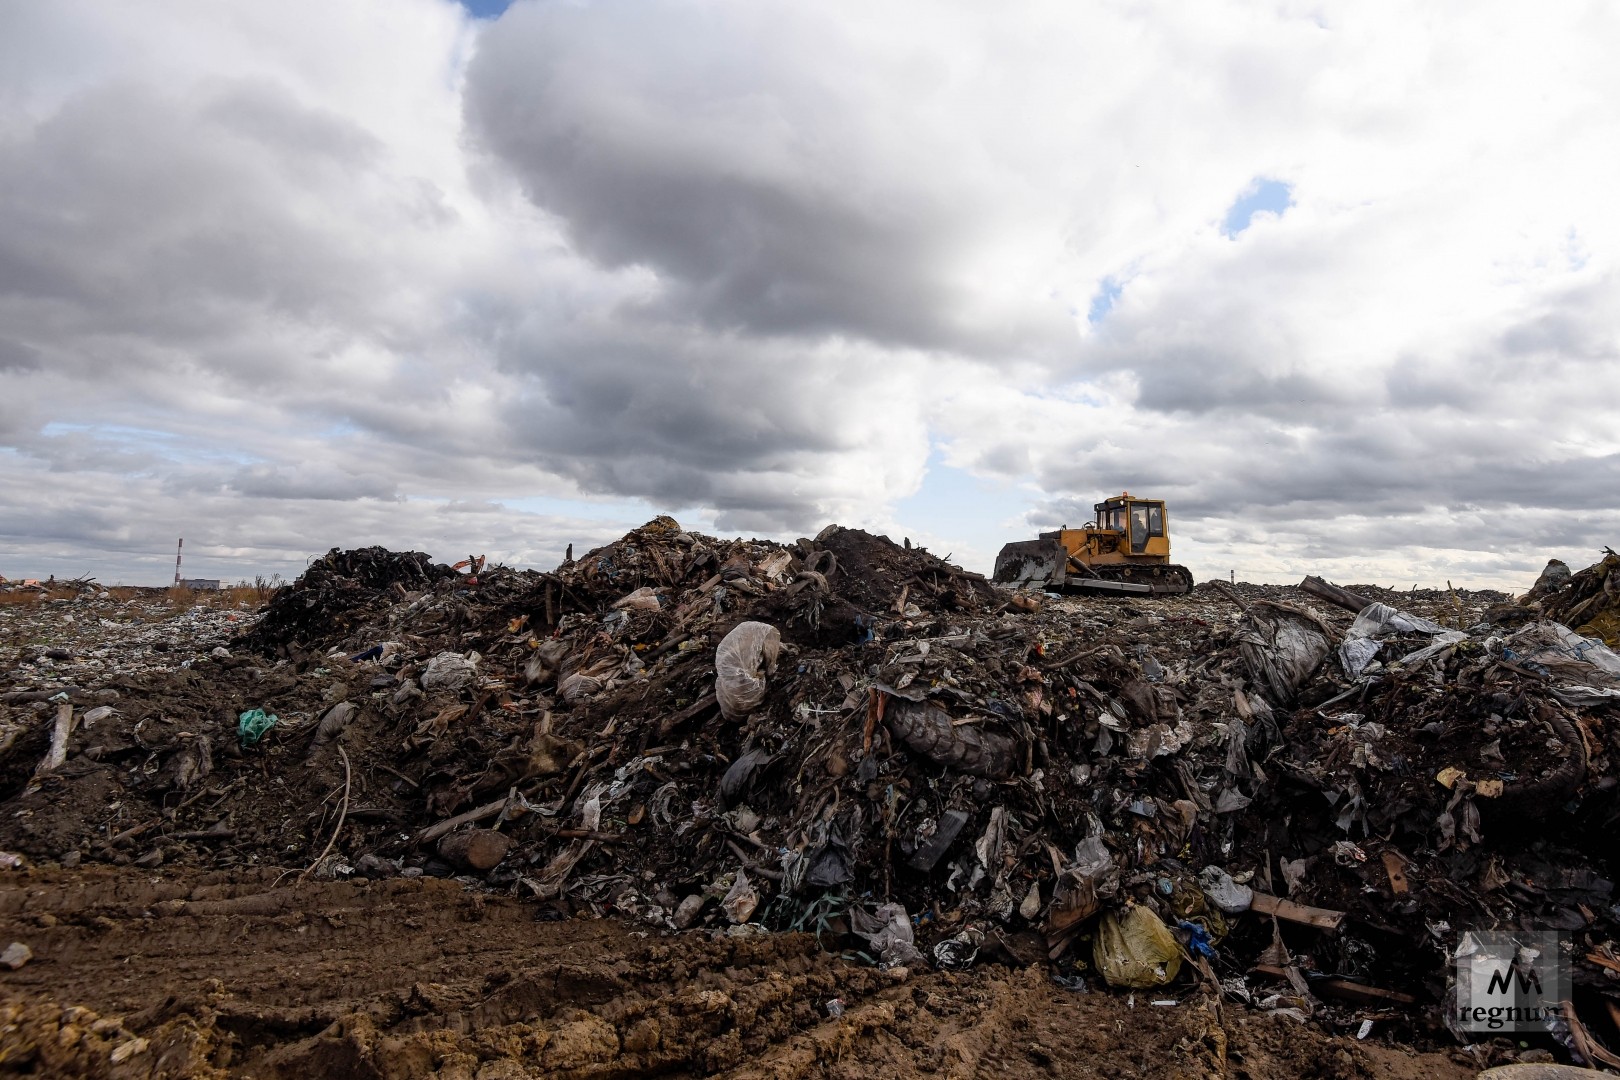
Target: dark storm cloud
(736, 165)
(1387, 467)
(15, 356)
(168, 218)
(715, 402)
(684, 417)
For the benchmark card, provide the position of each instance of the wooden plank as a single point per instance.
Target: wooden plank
(1395, 867)
(675, 720)
(1603, 961)
(1359, 993)
(433, 832)
(1343, 989)
(1321, 918)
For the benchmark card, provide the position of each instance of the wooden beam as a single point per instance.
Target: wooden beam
(1344, 598)
(1321, 918)
(1343, 989)
(433, 832)
(675, 720)
(1359, 993)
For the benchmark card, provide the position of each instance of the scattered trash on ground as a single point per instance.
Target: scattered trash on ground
(1294, 798)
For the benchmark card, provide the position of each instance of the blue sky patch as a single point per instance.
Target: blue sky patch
(1263, 195)
(1103, 302)
(980, 514)
(486, 9)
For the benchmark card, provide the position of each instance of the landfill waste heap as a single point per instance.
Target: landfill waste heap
(1295, 798)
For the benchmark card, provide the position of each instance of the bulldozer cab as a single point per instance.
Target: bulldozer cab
(1140, 523)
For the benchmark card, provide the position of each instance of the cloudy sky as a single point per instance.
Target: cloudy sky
(1337, 281)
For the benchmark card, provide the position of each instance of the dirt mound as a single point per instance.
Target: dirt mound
(882, 576)
(335, 593)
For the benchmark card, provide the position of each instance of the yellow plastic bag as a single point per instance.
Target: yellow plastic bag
(1134, 948)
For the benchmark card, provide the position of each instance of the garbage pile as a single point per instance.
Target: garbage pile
(1588, 601)
(95, 635)
(1297, 797)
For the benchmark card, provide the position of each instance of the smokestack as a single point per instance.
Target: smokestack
(177, 549)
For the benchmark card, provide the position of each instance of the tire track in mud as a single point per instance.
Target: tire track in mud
(215, 975)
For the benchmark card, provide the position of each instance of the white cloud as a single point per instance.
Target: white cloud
(361, 268)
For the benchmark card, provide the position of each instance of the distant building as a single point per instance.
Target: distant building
(199, 584)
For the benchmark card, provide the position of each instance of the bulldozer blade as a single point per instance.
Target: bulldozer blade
(1077, 584)
(1042, 561)
(1046, 563)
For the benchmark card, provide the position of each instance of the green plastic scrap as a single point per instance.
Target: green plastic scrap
(253, 724)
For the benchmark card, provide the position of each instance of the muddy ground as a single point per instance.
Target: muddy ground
(139, 974)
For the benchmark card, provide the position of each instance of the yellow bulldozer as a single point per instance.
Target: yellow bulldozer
(1126, 549)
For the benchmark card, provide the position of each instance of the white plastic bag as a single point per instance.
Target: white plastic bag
(888, 931)
(643, 599)
(577, 686)
(741, 663)
(1223, 892)
(449, 671)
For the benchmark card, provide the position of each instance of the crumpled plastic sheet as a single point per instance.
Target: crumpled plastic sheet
(1083, 885)
(958, 953)
(741, 900)
(1134, 948)
(1281, 647)
(643, 599)
(577, 687)
(1223, 892)
(888, 931)
(1198, 940)
(448, 671)
(1442, 641)
(1584, 671)
(1374, 623)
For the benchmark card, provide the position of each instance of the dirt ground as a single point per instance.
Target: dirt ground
(139, 974)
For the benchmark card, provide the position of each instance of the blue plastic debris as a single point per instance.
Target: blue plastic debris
(1198, 942)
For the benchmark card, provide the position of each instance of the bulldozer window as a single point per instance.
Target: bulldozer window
(1139, 527)
(1155, 521)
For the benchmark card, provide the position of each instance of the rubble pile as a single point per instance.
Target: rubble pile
(1303, 803)
(1588, 602)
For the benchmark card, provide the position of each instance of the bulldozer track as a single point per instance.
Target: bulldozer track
(1165, 579)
